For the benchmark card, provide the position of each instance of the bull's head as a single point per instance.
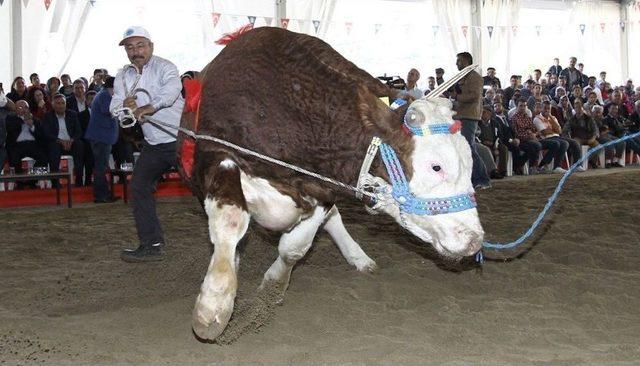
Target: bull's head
(439, 205)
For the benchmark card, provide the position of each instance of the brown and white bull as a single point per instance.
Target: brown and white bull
(294, 98)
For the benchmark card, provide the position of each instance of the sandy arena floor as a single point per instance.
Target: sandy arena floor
(572, 299)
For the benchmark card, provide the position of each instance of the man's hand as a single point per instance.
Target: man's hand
(143, 111)
(130, 102)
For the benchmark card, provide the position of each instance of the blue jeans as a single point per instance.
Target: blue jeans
(479, 172)
(101, 153)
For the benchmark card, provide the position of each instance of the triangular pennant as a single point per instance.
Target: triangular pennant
(602, 25)
(92, 2)
(538, 28)
(465, 29)
(514, 30)
(301, 23)
(478, 31)
(622, 25)
(582, 28)
(1, 2)
(47, 4)
(215, 17)
(316, 25)
(268, 20)
(377, 27)
(284, 23)
(252, 19)
(25, 3)
(435, 30)
(347, 26)
(490, 29)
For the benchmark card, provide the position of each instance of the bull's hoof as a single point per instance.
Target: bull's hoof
(365, 264)
(209, 321)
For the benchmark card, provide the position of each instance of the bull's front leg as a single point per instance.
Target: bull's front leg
(228, 221)
(351, 250)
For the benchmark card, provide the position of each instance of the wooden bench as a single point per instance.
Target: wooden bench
(51, 175)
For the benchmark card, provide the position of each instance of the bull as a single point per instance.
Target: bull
(292, 97)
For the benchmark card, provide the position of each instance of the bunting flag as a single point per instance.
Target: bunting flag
(478, 31)
(1, 2)
(622, 25)
(435, 29)
(301, 24)
(377, 27)
(490, 29)
(47, 4)
(92, 2)
(538, 30)
(316, 25)
(514, 30)
(602, 25)
(216, 18)
(268, 20)
(582, 28)
(348, 26)
(252, 20)
(465, 29)
(25, 3)
(284, 23)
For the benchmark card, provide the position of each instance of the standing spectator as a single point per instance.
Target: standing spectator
(67, 87)
(508, 92)
(629, 89)
(431, 84)
(77, 101)
(83, 118)
(573, 75)
(468, 107)
(537, 74)
(35, 82)
(18, 90)
(439, 75)
(555, 69)
(21, 138)
(527, 133)
(97, 80)
(62, 134)
(53, 84)
(603, 79)
(102, 133)
(584, 79)
(412, 84)
(491, 80)
(39, 103)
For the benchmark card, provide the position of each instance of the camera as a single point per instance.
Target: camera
(395, 82)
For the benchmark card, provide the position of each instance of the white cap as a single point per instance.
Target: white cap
(134, 31)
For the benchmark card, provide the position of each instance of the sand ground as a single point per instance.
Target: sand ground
(572, 298)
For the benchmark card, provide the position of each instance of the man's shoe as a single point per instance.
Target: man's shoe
(559, 170)
(581, 169)
(482, 186)
(616, 165)
(144, 253)
(107, 200)
(495, 174)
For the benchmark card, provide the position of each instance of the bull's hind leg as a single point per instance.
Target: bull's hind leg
(349, 248)
(228, 221)
(292, 247)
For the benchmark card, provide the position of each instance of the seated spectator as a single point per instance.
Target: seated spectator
(535, 97)
(412, 84)
(629, 89)
(53, 84)
(551, 84)
(507, 142)
(439, 75)
(67, 87)
(634, 118)
(18, 90)
(490, 80)
(555, 69)
(603, 77)
(560, 92)
(576, 94)
(6, 106)
(606, 91)
(35, 82)
(39, 103)
(431, 84)
(562, 83)
(618, 126)
(545, 86)
(584, 79)
(77, 101)
(527, 91)
(487, 133)
(488, 96)
(62, 134)
(549, 128)
(564, 111)
(527, 133)
(613, 154)
(22, 139)
(583, 129)
(616, 99)
(507, 94)
(591, 83)
(97, 80)
(592, 99)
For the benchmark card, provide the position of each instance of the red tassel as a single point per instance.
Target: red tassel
(228, 37)
(193, 88)
(187, 155)
(455, 127)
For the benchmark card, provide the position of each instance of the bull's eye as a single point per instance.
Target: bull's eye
(436, 168)
(414, 118)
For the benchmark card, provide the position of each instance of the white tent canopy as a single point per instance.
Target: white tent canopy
(52, 37)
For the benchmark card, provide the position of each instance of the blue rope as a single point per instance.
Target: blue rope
(554, 196)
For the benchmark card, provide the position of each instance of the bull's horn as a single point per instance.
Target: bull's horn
(437, 92)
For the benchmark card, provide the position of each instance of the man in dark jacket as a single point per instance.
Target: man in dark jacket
(102, 133)
(555, 69)
(62, 133)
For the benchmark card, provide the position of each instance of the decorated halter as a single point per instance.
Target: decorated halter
(407, 201)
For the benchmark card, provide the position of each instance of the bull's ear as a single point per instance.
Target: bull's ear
(375, 114)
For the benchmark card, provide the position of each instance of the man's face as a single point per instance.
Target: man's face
(78, 90)
(491, 72)
(20, 87)
(616, 97)
(514, 82)
(522, 106)
(592, 82)
(139, 50)
(577, 106)
(553, 79)
(22, 108)
(413, 76)
(461, 63)
(577, 92)
(537, 90)
(537, 75)
(562, 82)
(560, 92)
(486, 115)
(603, 75)
(592, 98)
(497, 107)
(98, 77)
(572, 62)
(59, 105)
(597, 114)
(35, 80)
(613, 111)
(432, 82)
(580, 67)
(556, 61)
(38, 96)
(66, 80)
(546, 110)
(537, 109)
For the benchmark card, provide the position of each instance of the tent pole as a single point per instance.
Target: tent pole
(16, 38)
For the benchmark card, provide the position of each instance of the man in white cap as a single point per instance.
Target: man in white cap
(150, 86)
